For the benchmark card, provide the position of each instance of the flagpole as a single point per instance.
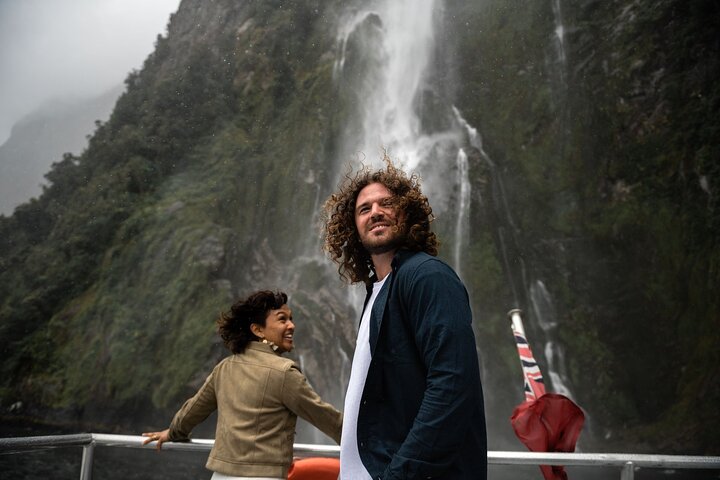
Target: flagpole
(516, 318)
(544, 422)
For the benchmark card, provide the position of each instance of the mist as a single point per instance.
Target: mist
(71, 49)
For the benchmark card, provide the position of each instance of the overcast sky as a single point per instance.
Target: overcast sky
(62, 48)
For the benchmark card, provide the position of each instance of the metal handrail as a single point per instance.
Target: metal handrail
(627, 462)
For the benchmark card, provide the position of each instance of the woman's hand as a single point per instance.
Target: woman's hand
(160, 437)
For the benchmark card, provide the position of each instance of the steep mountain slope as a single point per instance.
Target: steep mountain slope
(40, 139)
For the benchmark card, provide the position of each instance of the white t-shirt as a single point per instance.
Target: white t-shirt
(351, 467)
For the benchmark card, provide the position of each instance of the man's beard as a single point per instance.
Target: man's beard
(385, 245)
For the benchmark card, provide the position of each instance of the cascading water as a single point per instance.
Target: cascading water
(397, 42)
(506, 223)
(405, 38)
(546, 316)
(535, 292)
(463, 210)
(559, 39)
(539, 295)
(557, 65)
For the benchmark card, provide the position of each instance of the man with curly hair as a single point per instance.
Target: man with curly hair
(414, 405)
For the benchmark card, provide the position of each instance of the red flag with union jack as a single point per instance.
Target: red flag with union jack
(544, 422)
(534, 385)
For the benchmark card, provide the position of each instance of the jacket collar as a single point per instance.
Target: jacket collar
(401, 256)
(261, 347)
(378, 308)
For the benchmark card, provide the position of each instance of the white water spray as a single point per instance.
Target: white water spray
(397, 39)
(463, 210)
(559, 39)
(544, 312)
(406, 37)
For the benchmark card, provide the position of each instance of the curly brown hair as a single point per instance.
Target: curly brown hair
(342, 240)
(234, 325)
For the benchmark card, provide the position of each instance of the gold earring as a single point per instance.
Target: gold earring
(272, 344)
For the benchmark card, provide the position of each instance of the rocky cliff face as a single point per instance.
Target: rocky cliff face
(592, 208)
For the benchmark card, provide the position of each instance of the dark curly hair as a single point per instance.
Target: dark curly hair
(342, 240)
(234, 325)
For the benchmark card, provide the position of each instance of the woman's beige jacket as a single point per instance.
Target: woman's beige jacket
(258, 395)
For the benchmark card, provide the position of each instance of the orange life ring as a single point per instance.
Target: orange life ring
(314, 468)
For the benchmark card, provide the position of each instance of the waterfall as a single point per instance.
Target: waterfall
(508, 246)
(557, 65)
(559, 39)
(396, 39)
(405, 38)
(463, 209)
(542, 308)
(544, 312)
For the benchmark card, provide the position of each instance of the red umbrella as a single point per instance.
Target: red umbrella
(544, 422)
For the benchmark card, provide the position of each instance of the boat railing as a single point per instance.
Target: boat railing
(624, 462)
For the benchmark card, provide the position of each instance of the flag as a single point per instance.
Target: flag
(544, 422)
(534, 385)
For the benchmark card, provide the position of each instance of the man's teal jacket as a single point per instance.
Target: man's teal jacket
(421, 413)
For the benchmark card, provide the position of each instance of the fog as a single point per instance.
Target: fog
(71, 49)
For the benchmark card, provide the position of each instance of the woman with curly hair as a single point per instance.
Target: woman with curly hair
(258, 395)
(414, 404)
